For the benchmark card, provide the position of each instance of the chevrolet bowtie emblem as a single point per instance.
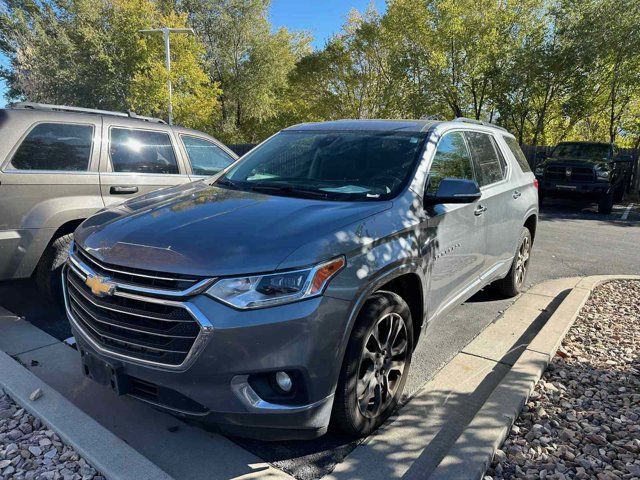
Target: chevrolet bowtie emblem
(100, 286)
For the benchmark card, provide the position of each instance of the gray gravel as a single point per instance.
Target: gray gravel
(29, 450)
(583, 417)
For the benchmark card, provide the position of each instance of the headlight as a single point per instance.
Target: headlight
(277, 288)
(602, 172)
(539, 171)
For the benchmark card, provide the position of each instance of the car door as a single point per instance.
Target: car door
(458, 229)
(205, 157)
(138, 158)
(497, 197)
(48, 178)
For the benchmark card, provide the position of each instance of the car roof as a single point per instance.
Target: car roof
(377, 125)
(586, 143)
(381, 125)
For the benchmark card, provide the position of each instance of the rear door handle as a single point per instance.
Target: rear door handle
(121, 190)
(479, 210)
(516, 194)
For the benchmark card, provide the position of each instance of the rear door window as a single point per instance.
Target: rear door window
(142, 151)
(491, 165)
(55, 147)
(451, 160)
(512, 143)
(206, 157)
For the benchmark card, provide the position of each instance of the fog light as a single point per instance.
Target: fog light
(284, 381)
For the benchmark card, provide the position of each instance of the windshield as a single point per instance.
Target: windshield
(329, 164)
(581, 150)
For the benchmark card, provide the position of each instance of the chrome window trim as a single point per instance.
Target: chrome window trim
(206, 328)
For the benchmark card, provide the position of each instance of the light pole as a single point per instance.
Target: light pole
(167, 55)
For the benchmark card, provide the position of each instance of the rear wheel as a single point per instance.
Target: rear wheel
(513, 283)
(375, 366)
(49, 270)
(605, 203)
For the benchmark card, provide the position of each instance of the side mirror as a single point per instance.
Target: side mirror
(454, 190)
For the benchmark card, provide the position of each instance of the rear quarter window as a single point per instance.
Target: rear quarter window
(55, 147)
(518, 153)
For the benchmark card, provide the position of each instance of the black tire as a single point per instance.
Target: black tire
(359, 415)
(49, 269)
(618, 195)
(605, 203)
(513, 283)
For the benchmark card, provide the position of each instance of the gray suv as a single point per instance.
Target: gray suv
(60, 165)
(289, 292)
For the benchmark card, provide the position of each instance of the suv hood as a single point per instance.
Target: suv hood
(203, 230)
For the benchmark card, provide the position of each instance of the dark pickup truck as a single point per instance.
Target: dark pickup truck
(585, 170)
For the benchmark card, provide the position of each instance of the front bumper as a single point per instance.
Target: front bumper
(305, 337)
(572, 189)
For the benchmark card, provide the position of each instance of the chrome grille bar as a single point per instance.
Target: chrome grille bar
(165, 333)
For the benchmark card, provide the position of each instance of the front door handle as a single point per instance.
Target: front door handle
(122, 190)
(516, 194)
(479, 210)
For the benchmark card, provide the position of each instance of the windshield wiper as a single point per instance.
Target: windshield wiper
(288, 190)
(225, 182)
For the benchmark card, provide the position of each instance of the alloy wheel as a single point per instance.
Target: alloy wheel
(382, 365)
(522, 260)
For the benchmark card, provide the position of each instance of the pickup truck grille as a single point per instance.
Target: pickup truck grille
(578, 174)
(150, 329)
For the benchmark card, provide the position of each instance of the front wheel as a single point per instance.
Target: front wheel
(375, 366)
(513, 283)
(605, 203)
(49, 269)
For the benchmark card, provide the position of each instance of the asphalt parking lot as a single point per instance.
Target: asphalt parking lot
(571, 241)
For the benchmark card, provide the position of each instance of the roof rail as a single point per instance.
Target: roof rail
(479, 122)
(65, 108)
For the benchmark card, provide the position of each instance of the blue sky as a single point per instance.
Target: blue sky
(321, 18)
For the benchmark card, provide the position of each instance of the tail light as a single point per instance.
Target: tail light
(536, 184)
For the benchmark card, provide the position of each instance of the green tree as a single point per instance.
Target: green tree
(249, 62)
(91, 54)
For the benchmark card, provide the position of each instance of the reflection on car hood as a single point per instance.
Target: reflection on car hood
(204, 230)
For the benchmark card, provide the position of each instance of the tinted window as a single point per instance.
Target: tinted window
(55, 146)
(206, 157)
(512, 143)
(333, 164)
(582, 150)
(451, 160)
(491, 165)
(141, 151)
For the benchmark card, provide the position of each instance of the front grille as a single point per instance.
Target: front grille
(578, 174)
(143, 328)
(145, 278)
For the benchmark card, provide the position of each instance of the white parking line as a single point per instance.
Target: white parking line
(625, 214)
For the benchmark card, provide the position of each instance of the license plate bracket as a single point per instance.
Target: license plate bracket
(104, 373)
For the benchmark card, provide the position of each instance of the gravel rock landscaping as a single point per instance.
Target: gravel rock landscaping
(29, 450)
(583, 418)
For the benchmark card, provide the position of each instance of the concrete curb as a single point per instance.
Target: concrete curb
(473, 451)
(101, 448)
